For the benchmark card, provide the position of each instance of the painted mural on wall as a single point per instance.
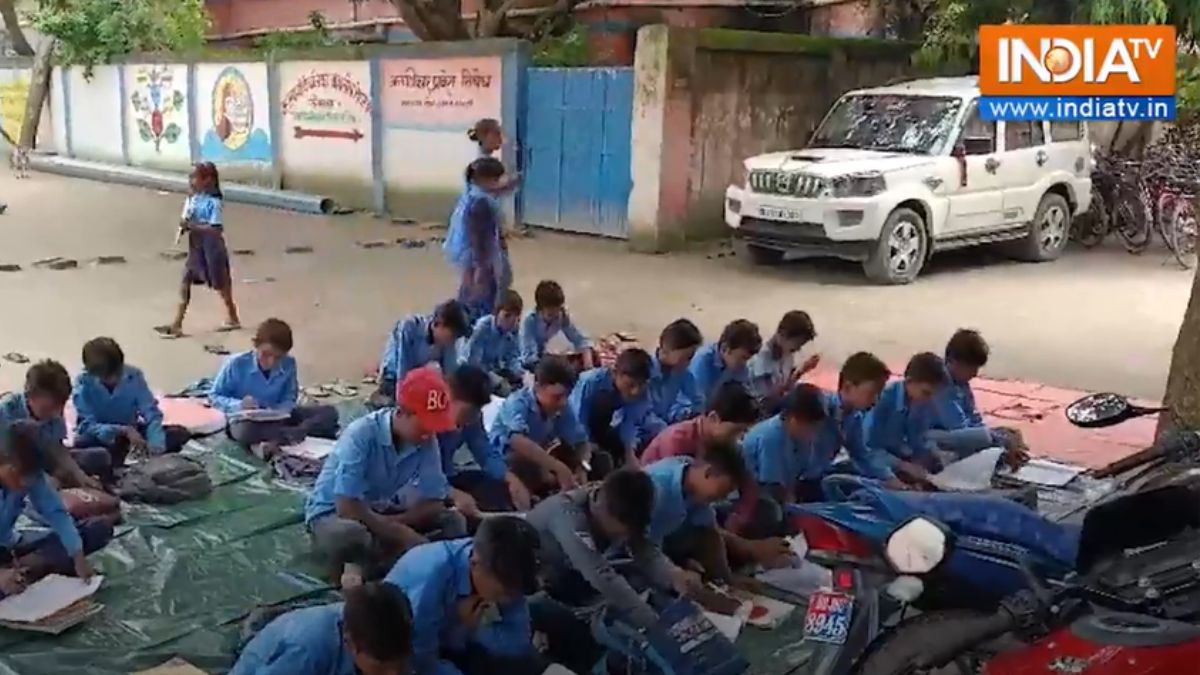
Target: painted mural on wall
(235, 115)
(327, 105)
(440, 93)
(14, 92)
(158, 105)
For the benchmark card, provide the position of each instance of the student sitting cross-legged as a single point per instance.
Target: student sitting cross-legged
(578, 530)
(494, 347)
(773, 370)
(779, 450)
(725, 360)
(382, 487)
(368, 634)
(47, 388)
(615, 409)
(896, 428)
(115, 409)
(420, 340)
(265, 378)
(549, 318)
(672, 387)
(490, 487)
(22, 480)
(470, 615)
(544, 442)
(958, 427)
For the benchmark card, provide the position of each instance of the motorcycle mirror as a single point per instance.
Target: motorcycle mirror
(916, 547)
(1104, 410)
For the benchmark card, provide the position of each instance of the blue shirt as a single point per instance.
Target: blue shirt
(100, 414)
(844, 429)
(955, 408)
(673, 393)
(366, 465)
(240, 376)
(489, 458)
(205, 209)
(635, 421)
(897, 428)
(13, 408)
(493, 349)
(435, 577)
(535, 333)
(672, 508)
(410, 345)
(710, 372)
(520, 414)
(45, 501)
(306, 641)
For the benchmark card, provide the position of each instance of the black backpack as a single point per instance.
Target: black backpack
(168, 479)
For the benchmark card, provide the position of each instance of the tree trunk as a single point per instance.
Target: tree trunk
(1182, 397)
(39, 88)
(433, 19)
(8, 10)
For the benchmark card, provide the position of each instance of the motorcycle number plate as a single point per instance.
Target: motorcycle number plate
(828, 617)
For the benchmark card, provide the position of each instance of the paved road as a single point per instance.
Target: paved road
(1094, 320)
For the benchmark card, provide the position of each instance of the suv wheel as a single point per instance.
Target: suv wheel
(759, 255)
(1049, 230)
(900, 253)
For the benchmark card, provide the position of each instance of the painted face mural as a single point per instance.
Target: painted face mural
(233, 109)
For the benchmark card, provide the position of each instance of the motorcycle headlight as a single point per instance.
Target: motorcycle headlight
(866, 184)
(917, 547)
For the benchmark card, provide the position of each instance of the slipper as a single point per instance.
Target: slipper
(168, 332)
(316, 392)
(16, 357)
(370, 379)
(218, 350)
(228, 327)
(342, 389)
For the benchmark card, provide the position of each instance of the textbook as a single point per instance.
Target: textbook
(52, 605)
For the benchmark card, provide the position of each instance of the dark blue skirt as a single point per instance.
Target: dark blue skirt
(208, 260)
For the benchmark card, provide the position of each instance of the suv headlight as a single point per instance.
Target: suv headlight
(866, 184)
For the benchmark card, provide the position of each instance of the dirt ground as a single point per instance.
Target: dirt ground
(1094, 320)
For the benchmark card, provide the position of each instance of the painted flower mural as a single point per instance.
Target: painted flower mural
(155, 101)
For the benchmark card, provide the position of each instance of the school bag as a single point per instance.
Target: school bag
(682, 642)
(167, 479)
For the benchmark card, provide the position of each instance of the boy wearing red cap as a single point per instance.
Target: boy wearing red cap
(382, 489)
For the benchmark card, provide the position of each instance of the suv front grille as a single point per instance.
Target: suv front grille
(790, 183)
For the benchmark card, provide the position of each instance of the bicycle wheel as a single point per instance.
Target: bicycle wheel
(1163, 211)
(1134, 220)
(1182, 228)
(1090, 230)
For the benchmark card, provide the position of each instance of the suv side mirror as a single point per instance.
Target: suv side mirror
(978, 145)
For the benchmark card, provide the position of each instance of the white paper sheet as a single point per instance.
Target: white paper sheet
(766, 612)
(971, 474)
(310, 448)
(48, 596)
(730, 626)
(1047, 472)
(260, 415)
(803, 580)
(490, 412)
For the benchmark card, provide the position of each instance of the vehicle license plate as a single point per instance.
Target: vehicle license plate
(828, 617)
(776, 213)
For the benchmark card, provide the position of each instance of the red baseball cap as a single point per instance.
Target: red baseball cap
(424, 393)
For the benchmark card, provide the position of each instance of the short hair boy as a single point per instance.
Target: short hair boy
(494, 347)
(603, 394)
(899, 422)
(726, 359)
(420, 340)
(773, 369)
(549, 318)
(47, 389)
(673, 390)
(959, 427)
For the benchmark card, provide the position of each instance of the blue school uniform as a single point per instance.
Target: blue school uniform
(955, 408)
(410, 345)
(435, 577)
(673, 393)
(366, 465)
(45, 500)
(535, 333)
(634, 421)
(13, 408)
(672, 508)
(307, 641)
(897, 428)
(100, 414)
(521, 414)
(710, 372)
(844, 429)
(240, 376)
(489, 458)
(493, 349)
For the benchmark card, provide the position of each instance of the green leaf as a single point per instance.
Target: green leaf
(144, 130)
(177, 100)
(172, 132)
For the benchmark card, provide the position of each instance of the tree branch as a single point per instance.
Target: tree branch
(433, 19)
(8, 10)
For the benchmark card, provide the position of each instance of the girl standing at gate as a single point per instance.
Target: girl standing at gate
(208, 258)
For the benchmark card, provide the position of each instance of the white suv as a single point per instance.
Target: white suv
(894, 174)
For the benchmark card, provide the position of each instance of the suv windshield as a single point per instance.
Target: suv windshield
(916, 124)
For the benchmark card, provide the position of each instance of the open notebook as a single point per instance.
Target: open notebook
(52, 605)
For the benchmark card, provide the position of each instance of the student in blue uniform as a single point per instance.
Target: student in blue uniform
(672, 387)
(368, 634)
(860, 381)
(779, 450)
(47, 388)
(383, 485)
(615, 409)
(494, 344)
(33, 556)
(684, 520)
(544, 442)
(958, 427)
(726, 359)
(549, 318)
(115, 409)
(419, 340)
(265, 378)
(470, 616)
(476, 248)
(773, 370)
(489, 487)
(899, 422)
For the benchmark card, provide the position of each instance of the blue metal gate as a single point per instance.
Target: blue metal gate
(576, 149)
